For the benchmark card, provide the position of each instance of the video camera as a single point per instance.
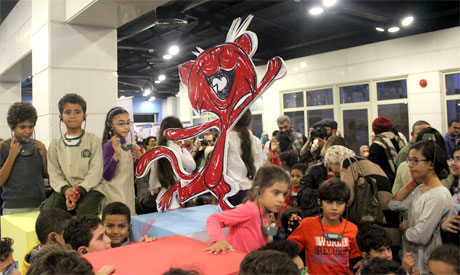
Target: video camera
(319, 132)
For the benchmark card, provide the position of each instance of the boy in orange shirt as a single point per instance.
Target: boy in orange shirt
(329, 240)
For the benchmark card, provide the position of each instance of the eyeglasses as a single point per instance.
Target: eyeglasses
(456, 159)
(414, 161)
(122, 124)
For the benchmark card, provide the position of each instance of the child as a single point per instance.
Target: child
(290, 220)
(75, 162)
(329, 240)
(288, 247)
(116, 220)
(374, 241)
(297, 172)
(7, 263)
(23, 162)
(85, 234)
(49, 227)
(248, 221)
(119, 159)
(444, 259)
(268, 262)
(383, 266)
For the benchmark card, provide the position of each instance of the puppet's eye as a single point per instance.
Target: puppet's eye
(221, 82)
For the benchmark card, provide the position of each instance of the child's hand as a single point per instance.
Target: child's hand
(116, 144)
(451, 224)
(70, 204)
(136, 152)
(403, 226)
(274, 144)
(40, 146)
(219, 246)
(408, 263)
(147, 239)
(15, 148)
(106, 270)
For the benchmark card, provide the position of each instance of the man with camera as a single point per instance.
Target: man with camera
(317, 137)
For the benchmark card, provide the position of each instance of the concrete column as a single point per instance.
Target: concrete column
(10, 92)
(70, 59)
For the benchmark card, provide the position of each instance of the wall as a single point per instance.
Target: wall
(415, 57)
(142, 106)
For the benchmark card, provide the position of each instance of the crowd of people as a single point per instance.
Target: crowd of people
(301, 204)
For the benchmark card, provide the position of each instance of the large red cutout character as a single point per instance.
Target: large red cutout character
(222, 80)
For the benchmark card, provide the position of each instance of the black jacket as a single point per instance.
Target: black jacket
(307, 198)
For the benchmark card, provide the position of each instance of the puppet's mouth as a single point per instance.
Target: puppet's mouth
(221, 82)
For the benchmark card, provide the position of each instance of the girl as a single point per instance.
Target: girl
(119, 159)
(428, 204)
(244, 157)
(455, 171)
(150, 143)
(248, 223)
(161, 175)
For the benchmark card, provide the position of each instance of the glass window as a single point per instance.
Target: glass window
(298, 121)
(314, 116)
(319, 97)
(292, 100)
(355, 128)
(453, 84)
(257, 125)
(399, 114)
(355, 93)
(395, 89)
(453, 110)
(258, 105)
(198, 121)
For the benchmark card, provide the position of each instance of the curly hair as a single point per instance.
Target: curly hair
(74, 99)
(79, 231)
(57, 260)
(446, 253)
(372, 236)
(20, 112)
(6, 248)
(268, 262)
(286, 246)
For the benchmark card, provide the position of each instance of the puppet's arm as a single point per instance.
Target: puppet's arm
(181, 134)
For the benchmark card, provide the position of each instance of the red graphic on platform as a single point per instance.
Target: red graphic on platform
(223, 81)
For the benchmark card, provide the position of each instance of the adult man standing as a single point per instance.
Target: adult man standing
(287, 137)
(416, 128)
(452, 138)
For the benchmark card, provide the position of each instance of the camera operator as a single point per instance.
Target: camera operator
(201, 146)
(288, 139)
(317, 137)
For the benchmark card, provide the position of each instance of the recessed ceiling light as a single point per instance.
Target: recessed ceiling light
(316, 11)
(393, 29)
(122, 97)
(407, 21)
(303, 64)
(167, 56)
(162, 77)
(157, 81)
(380, 29)
(152, 98)
(173, 50)
(329, 3)
(178, 94)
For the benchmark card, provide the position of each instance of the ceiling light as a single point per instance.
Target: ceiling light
(173, 50)
(316, 11)
(393, 29)
(152, 98)
(329, 3)
(147, 92)
(178, 94)
(122, 97)
(380, 29)
(303, 64)
(162, 77)
(167, 56)
(157, 81)
(407, 21)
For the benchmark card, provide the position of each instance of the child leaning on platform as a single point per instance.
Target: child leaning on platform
(75, 162)
(49, 228)
(85, 234)
(23, 164)
(116, 220)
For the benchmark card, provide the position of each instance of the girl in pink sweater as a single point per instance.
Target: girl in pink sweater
(249, 228)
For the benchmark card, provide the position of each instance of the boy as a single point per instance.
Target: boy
(7, 263)
(268, 262)
(374, 241)
(288, 247)
(297, 172)
(444, 259)
(75, 162)
(116, 220)
(23, 164)
(329, 240)
(49, 227)
(85, 234)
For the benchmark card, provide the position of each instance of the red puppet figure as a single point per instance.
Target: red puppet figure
(223, 81)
